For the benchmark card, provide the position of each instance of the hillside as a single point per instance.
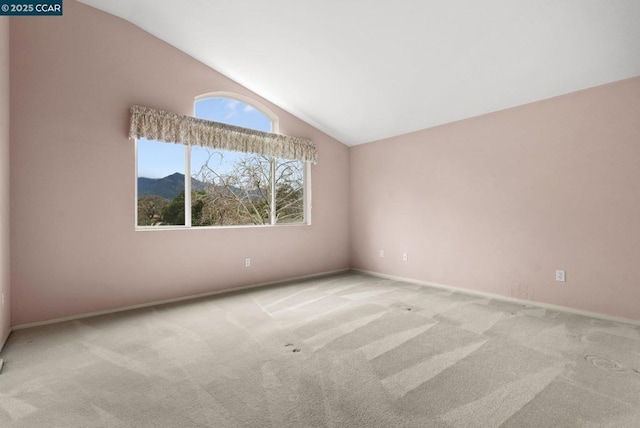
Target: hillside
(167, 187)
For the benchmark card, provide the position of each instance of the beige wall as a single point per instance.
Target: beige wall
(4, 178)
(497, 203)
(74, 248)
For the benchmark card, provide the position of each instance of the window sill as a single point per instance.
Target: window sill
(247, 226)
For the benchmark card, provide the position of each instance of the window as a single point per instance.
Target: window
(225, 188)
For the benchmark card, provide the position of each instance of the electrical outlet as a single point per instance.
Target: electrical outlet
(405, 257)
(381, 253)
(247, 262)
(561, 276)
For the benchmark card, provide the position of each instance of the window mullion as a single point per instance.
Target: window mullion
(187, 186)
(136, 195)
(272, 179)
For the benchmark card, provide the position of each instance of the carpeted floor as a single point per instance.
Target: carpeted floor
(342, 351)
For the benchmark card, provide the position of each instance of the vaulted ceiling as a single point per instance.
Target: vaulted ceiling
(364, 70)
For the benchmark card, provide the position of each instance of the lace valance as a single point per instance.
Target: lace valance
(160, 125)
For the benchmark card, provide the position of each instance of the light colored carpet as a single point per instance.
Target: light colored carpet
(342, 351)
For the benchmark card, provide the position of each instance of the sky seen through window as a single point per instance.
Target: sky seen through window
(158, 160)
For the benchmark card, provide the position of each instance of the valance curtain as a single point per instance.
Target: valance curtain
(160, 125)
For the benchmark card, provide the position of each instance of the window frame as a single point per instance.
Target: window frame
(275, 126)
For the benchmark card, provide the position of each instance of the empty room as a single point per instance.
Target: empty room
(319, 214)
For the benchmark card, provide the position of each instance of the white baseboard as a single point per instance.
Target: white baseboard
(317, 275)
(543, 305)
(174, 300)
(4, 339)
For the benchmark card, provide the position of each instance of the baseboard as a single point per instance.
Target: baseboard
(543, 305)
(174, 300)
(5, 338)
(318, 275)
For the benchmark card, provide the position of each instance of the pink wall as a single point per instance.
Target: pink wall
(4, 178)
(497, 203)
(74, 248)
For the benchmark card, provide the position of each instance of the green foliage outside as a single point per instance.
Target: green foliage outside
(150, 209)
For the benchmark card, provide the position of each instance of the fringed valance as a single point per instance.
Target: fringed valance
(175, 128)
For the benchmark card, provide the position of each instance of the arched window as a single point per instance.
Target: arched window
(233, 109)
(226, 188)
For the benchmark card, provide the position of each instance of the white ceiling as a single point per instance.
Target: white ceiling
(363, 70)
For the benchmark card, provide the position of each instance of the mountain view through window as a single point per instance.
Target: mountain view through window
(226, 188)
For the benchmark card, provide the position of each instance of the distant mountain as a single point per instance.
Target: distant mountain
(168, 187)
